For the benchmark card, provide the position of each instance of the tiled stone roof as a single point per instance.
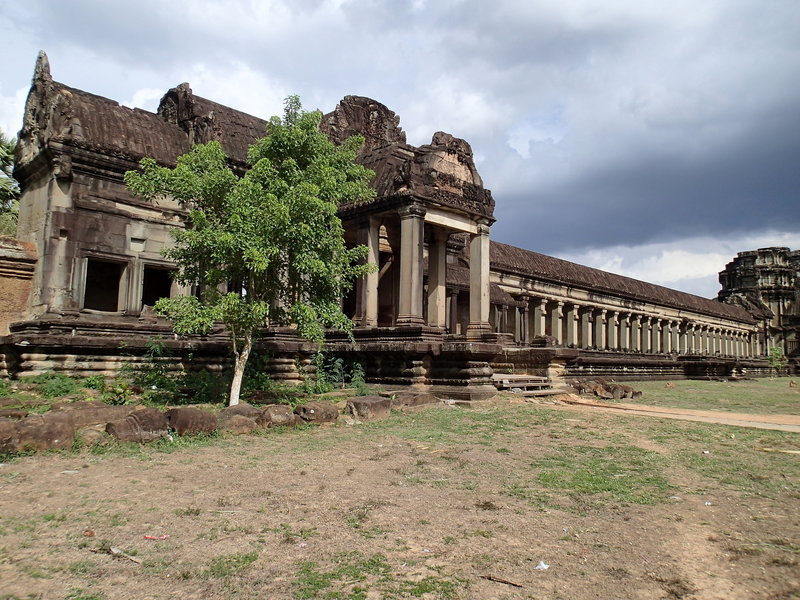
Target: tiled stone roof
(539, 266)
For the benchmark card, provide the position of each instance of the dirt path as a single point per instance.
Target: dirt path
(775, 422)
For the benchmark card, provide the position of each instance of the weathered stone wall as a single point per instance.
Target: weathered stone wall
(17, 262)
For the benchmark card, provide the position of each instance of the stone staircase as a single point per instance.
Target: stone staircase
(525, 385)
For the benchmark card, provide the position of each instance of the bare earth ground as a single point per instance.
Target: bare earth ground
(441, 502)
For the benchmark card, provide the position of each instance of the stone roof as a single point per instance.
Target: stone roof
(204, 121)
(58, 114)
(539, 266)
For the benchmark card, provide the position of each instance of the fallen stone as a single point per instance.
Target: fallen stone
(45, 432)
(141, 426)
(317, 412)
(410, 399)
(13, 413)
(368, 408)
(188, 420)
(4, 402)
(277, 415)
(243, 409)
(94, 435)
(236, 424)
(92, 412)
(8, 435)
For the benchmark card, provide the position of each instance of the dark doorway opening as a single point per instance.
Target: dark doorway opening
(102, 285)
(156, 283)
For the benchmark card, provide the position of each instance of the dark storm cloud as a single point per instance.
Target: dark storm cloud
(595, 124)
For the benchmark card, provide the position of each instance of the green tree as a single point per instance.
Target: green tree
(9, 189)
(267, 247)
(777, 360)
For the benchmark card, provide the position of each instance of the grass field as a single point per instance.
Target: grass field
(439, 502)
(763, 396)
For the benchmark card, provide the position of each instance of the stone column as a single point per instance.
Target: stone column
(367, 286)
(645, 334)
(655, 343)
(600, 329)
(539, 317)
(437, 267)
(636, 332)
(666, 337)
(479, 282)
(612, 330)
(453, 312)
(555, 321)
(586, 328)
(675, 343)
(625, 331)
(572, 326)
(412, 221)
(526, 325)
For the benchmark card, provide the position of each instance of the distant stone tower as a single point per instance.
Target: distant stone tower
(767, 279)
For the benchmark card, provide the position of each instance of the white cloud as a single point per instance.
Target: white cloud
(11, 110)
(691, 265)
(146, 98)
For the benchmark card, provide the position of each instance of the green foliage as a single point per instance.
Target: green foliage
(776, 359)
(231, 564)
(5, 387)
(357, 380)
(55, 385)
(9, 188)
(271, 237)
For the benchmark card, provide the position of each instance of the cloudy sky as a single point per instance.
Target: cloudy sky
(653, 139)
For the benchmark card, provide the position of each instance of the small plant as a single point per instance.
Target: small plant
(5, 387)
(95, 382)
(357, 380)
(118, 392)
(231, 564)
(777, 361)
(55, 385)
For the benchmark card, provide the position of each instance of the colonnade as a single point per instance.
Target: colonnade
(590, 327)
(416, 224)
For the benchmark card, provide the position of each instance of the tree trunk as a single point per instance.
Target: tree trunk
(238, 369)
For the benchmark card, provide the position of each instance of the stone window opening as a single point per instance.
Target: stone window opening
(102, 288)
(156, 284)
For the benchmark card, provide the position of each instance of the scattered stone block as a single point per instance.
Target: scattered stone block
(317, 412)
(45, 432)
(93, 412)
(243, 409)
(369, 408)
(188, 420)
(141, 426)
(13, 413)
(411, 399)
(94, 435)
(8, 435)
(277, 415)
(237, 424)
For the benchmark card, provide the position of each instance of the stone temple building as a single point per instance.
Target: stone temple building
(447, 309)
